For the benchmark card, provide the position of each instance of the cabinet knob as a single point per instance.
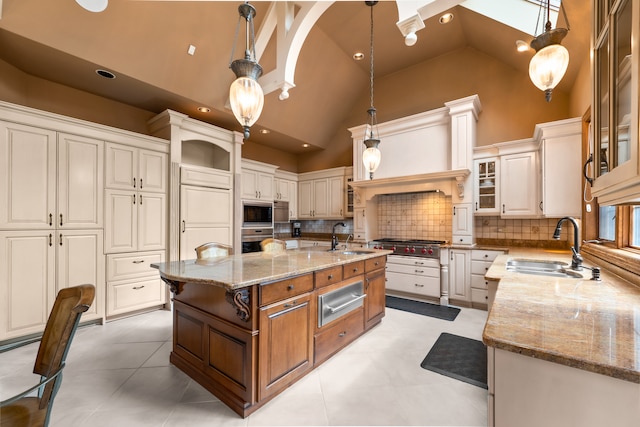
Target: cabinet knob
(290, 287)
(342, 334)
(355, 269)
(330, 277)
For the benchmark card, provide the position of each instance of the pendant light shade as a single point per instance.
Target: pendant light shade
(549, 64)
(245, 94)
(371, 156)
(93, 5)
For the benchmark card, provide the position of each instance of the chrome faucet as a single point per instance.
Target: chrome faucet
(576, 260)
(334, 238)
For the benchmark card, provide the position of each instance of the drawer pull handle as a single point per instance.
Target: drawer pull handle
(419, 285)
(138, 287)
(293, 303)
(290, 287)
(138, 262)
(418, 263)
(357, 298)
(342, 334)
(419, 271)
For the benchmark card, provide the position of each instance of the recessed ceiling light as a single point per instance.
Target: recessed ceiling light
(106, 74)
(264, 131)
(204, 109)
(522, 46)
(305, 145)
(192, 50)
(446, 18)
(358, 56)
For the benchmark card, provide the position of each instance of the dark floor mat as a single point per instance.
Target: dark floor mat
(426, 309)
(462, 358)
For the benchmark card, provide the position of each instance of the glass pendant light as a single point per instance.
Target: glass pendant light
(371, 156)
(245, 94)
(549, 64)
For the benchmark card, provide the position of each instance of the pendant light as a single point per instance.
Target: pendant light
(548, 65)
(245, 94)
(371, 156)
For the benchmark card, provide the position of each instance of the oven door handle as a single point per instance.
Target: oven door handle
(357, 298)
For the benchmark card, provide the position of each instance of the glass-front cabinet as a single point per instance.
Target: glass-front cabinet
(486, 195)
(615, 125)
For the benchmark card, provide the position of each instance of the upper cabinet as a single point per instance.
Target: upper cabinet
(519, 185)
(257, 180)
(616, 49)
(286, 190)
(486, 186)
(130, 168)
(321, 194)
(39, 179)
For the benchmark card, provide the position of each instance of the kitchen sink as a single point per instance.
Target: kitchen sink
(541, 267)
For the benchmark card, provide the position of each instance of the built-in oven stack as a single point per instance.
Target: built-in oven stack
(413, 270)
(257, 224)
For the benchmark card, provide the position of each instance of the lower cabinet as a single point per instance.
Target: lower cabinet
(460, 276)
(331, 338)
(374, 288)
(36, 265)
(481, 260)
(132, 284)
(414, 275)
(285, 343)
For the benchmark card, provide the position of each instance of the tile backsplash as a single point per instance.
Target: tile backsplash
(520, 229)
(415, 216)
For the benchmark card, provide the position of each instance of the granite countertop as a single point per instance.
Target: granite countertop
(585, 324)
(242, 270)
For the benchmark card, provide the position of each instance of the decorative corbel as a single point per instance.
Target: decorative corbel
(239, 299)
(174, 285)
(460, 183)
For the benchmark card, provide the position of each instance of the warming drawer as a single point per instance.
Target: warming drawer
(335, 304)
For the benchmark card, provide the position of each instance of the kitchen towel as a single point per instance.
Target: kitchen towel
(462, 358)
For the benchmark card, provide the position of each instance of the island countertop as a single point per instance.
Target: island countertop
(242, 270)
(581, 323)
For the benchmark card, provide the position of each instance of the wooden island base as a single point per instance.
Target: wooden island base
(249, 344)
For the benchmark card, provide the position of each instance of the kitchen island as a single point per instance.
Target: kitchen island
(562, 351)
(248, 326)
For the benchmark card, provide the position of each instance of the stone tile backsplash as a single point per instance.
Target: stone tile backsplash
(520, 229)
(415, 216)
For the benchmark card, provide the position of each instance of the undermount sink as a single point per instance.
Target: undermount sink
(541, 267)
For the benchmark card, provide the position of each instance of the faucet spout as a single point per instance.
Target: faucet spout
(334, 238)
(576, 259)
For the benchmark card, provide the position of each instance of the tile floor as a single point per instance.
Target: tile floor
(118, 374)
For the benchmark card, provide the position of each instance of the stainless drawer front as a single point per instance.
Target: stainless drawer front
(334, 304)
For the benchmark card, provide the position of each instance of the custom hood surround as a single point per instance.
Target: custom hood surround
(423, 152)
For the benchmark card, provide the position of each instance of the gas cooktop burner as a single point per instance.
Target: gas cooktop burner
(420, 248)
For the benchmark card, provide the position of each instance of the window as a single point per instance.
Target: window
(607, 223)
(634, 241)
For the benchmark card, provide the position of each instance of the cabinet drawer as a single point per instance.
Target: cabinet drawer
(480, 267)
(353, 269)
(481, 255)
(375, 263)
(479, 296)
(328, 276)
(479, 282)
(410, 283)
(127, 296)
(276, 291)
(335, 336)
(205, 178)
(462, 240)
(418, 271)
(132, 265)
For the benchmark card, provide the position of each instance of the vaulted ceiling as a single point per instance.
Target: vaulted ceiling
(145, 43)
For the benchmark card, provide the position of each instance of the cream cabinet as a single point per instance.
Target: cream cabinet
(486, 186)
(36, 264)
(286, 190)
(413, 275)
(321, 198)
(136, 169)
(39, 177)
(481, 260)
(132, 284)
(257, 181)
(462, 224)
(519, 185)
(460, 275)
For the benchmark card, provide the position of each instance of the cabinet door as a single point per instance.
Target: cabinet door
(152, 221)
(80, 182)
(152, 171)
(206, 216)
(374, 306)
(359, 224)
(293, 200)
(249, 184)
(462, 225)
(27, 177)
(486, 189)
(27, 281)
(265, 186)
(305, 199)
(460, 275)
(336, 197)
(285, 343)
(80, 261)
(121, 164)
(559, 164)
(518, 184)
(320, 198)
(121, 219)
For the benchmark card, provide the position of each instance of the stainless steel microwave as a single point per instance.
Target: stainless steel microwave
(257, 214)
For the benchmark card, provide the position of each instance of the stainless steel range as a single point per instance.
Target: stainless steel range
(417, 248)
(413, 270)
